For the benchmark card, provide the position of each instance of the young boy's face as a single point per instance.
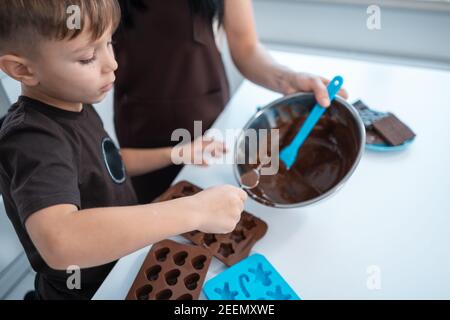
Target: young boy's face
(77, 70)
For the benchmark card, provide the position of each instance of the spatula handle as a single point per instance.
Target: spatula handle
(333, 88)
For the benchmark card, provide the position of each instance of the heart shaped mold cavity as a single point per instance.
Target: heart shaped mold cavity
(193, 233)
(199, 262)
(249, 223)
(153, 273)
(172, 277)
(209, 239)
(188, 190)
(238, 236)
(191, 281)
(180, 258)
(144, 292)
(186, 297)
(164, 295)
(226, 249)
(161, 254)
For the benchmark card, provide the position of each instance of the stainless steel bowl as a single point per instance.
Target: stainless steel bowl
(277, 113)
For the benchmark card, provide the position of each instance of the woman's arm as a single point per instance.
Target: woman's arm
(255, 63)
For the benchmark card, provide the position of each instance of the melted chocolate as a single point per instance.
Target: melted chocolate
(323, 161)
(250, 179)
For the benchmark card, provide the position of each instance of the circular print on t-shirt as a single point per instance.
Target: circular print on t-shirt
(113, 161)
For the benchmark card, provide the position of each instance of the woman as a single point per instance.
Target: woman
(171, 72)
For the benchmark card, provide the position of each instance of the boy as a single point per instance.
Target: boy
(64, 184)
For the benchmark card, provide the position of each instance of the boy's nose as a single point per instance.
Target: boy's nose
(115, 65)
(110, 64)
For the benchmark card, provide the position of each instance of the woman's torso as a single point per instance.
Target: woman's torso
(170, 74)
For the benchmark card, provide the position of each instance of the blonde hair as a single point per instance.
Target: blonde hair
(23, 23)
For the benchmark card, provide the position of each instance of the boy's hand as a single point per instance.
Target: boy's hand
(198, 151)
(305, 82)
(219, 209)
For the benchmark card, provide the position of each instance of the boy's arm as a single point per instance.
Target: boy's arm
(98, 236)
(67, 237)
(142, 161)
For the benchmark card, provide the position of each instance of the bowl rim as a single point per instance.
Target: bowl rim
(337, 187)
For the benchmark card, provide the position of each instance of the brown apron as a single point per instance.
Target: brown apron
(170, 75)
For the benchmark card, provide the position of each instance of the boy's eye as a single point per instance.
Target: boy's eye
(88, 61)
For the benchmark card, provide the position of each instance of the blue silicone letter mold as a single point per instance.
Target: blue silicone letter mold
(251, 279)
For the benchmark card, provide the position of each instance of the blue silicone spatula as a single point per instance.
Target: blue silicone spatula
(289, 154)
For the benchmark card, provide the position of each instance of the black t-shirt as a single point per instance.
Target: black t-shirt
(50, 156)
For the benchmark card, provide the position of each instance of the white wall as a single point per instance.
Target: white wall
(9, 91)
(410, 30)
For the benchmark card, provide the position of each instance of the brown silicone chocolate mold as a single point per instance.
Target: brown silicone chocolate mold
(229, 248)
(171, 271)
(180, 190)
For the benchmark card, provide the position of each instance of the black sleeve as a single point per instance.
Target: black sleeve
(41, 168)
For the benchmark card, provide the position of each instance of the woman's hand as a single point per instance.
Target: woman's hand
(304, 82)
(198, 151)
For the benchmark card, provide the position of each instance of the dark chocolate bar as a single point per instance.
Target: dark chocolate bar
(393, 130)
(368, 115)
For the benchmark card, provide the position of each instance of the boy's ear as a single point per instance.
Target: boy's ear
(18, 69)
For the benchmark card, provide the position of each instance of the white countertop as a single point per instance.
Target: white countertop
(393, 213)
